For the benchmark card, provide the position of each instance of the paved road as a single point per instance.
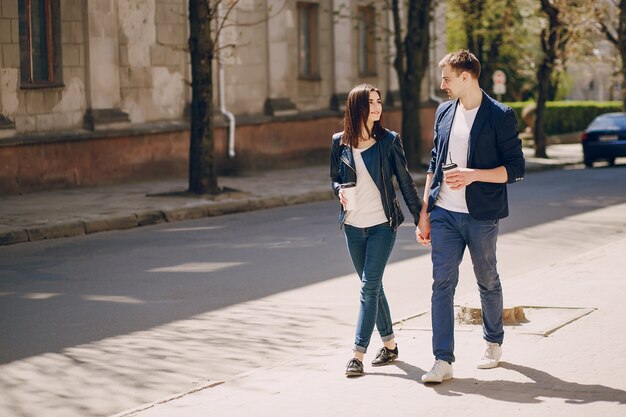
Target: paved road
(97, 324)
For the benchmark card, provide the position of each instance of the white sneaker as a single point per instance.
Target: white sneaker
(492, 356)
(441, 370)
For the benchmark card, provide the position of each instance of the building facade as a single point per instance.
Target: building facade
(97, 92)
(596, 77)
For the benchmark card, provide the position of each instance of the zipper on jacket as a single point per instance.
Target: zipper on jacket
(348, 164)
(343, 220)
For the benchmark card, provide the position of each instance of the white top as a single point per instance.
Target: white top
(369, 206)
(454, 200)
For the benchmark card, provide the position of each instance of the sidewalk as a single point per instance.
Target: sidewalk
(76, 212)
(576, 371)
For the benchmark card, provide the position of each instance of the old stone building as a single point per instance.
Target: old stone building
(97, 92)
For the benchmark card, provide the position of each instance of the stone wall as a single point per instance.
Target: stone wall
(120, 113)
(143, 154)
(42, 110)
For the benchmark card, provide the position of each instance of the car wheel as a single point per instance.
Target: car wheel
(611, 161)
(588, 163)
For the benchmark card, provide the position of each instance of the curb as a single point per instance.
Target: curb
(75, 228)
(121, 222)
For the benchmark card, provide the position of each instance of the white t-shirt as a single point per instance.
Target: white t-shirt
(369, 206)
(454, 200)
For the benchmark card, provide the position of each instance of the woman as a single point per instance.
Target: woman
(369, 155)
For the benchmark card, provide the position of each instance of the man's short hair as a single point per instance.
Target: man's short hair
(462, 60)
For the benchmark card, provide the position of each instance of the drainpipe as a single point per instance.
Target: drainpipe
(220, 76)
(229, 115)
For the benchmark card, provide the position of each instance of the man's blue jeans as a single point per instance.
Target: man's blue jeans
(370, 248)
(451, 232)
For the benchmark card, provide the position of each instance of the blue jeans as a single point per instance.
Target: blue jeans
(370, 248)
(451, 232)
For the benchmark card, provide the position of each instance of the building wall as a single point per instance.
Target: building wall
(120, 114)
(594, 77)
(43, 110)
(153, 58)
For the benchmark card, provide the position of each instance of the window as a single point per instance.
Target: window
(40, 43)
(308, 62)
(367, 41)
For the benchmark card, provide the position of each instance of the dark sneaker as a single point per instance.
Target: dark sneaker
(354, 368)
(385, 356)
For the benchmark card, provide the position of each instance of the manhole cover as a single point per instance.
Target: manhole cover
(534, 320)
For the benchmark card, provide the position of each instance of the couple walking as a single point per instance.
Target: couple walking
(461, 208)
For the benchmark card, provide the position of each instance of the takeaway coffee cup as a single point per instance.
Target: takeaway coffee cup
(349, 194)
(448, 168)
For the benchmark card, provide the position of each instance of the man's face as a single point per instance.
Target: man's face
(452, 83)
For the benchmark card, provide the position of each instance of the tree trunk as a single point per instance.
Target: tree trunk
(474, 35)
(621, 38)
(549, 42)
(416, 47)
(202, 170)
(543, 77)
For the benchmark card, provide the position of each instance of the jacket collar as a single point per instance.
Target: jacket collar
(481, 116)
(347, 157)
(479, 121)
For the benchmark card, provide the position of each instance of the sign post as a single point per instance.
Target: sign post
(499, 83)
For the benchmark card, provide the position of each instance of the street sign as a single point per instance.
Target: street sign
(499, 77)
(499, 82)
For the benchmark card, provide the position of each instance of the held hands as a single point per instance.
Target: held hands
(460, 178)
(422, 231)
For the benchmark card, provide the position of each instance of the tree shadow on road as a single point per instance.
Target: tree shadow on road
(542, 385)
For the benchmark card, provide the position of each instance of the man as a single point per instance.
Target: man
(464, 206)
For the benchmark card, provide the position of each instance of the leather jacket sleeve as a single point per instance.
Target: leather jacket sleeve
(405, 181)
(335, 154)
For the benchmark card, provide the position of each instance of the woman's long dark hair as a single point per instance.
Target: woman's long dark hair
(356, 114)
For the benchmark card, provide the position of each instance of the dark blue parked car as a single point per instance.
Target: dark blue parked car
(605, 138)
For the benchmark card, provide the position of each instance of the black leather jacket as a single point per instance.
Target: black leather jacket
(384, 160)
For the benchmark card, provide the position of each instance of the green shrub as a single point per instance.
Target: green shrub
(567, 116)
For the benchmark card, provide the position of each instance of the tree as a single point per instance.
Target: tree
(411, 64)
(207, 20)
(615, 33)
(202, 170)
(496, 32)
(551, 37)
(559, 41)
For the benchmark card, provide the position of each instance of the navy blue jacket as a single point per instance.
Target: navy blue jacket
(493, 142)
(384, 160)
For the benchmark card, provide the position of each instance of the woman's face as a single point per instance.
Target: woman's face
(376, 107)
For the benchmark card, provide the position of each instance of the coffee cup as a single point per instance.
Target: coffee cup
(448, 168)
(349, 194)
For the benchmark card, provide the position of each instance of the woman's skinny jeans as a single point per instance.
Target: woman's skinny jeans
(370, 248)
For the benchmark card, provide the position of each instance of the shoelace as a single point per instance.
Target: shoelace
(488, 353)
(354, 363)
(384, 353)
(436, 367)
